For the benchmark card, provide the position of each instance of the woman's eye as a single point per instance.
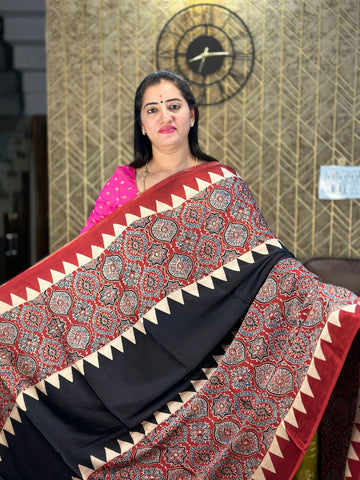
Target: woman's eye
(174, 107)
(151, 110)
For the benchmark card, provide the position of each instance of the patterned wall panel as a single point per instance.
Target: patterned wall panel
(300, 109)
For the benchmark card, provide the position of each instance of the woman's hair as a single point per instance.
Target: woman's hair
(142, 144)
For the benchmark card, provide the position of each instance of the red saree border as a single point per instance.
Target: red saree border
(311, 401)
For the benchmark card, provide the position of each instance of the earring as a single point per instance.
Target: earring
(143, 132)
(192, 123)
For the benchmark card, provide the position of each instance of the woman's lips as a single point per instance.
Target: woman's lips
(167, 129)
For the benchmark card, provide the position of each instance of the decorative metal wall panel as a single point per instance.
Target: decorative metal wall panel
(299, 109)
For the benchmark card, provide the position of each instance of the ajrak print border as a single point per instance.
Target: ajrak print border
(290, 442)
(92, 243)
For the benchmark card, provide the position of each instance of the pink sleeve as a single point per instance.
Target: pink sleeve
(119, 189)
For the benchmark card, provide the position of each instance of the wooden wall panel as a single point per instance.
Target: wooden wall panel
(300, 109)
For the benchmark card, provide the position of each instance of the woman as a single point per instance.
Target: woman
(165, 141)
(176, 339)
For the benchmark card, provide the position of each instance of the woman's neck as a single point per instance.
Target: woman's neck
(162, 166)
(171, 162)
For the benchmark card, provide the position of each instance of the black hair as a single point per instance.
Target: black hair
(142, 144)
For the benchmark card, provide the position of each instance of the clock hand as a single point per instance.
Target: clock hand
(207, 54)
(203, 59)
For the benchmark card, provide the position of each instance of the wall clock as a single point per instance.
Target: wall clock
(211, 47)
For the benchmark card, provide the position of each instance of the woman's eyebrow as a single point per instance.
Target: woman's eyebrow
(173, 100)
(151, 103)
(166, 101)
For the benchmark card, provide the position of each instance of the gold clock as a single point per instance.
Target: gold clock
(211, 47)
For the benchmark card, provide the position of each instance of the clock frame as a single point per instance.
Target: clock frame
(211, 47)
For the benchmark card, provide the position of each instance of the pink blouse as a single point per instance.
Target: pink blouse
(119, 189)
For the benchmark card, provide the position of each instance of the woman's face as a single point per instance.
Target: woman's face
(165, 116)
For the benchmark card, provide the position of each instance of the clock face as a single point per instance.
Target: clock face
(209, 46)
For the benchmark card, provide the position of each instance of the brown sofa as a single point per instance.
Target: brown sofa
(343, 272)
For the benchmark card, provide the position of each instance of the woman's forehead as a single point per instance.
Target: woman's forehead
(162, 91)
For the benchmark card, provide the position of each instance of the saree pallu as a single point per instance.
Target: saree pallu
(178, 339)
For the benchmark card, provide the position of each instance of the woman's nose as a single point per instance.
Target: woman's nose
(165, 115)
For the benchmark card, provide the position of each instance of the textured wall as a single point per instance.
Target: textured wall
(300, 109)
